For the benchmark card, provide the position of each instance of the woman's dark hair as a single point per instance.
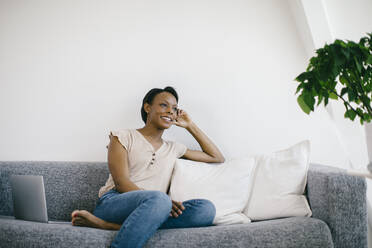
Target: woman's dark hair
(149, 97)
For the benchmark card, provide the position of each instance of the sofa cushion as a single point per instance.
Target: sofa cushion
(279, 184)
(68, 185)
(225, 184)
(285, 233)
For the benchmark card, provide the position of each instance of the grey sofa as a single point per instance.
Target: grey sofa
(338, 202)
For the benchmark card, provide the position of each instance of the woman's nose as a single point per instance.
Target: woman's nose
(170, 110)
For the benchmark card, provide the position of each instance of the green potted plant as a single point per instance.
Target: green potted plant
(343, 62)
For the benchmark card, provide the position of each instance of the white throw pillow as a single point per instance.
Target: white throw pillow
(279, 183)
(225, 184)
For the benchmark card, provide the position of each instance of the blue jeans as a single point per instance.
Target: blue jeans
(141, 212)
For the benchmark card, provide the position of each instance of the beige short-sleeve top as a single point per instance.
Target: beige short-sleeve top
(148, 169)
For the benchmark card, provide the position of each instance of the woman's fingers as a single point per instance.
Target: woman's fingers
(180, 112)
(179, 205)
(177, 208)
(174, 214)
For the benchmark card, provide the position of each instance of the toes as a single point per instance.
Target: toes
(74, 213)
(77, 221)
(84, 212)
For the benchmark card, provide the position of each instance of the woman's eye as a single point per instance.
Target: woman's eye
(163, 104)
(175, 109)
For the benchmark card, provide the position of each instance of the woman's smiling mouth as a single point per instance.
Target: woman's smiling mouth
(166, 118)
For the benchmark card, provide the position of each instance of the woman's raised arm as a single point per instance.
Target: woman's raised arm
(210, 153)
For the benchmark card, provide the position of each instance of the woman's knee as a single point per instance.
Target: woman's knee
(204, 212)
(160, 199)
(209, 210)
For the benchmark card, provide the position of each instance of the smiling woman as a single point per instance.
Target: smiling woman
(134, 199)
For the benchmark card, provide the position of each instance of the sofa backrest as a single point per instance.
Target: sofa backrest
(68, 185)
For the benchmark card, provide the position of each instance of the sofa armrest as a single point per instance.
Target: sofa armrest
(339, 200)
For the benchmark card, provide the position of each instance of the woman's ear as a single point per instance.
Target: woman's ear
(147, 107)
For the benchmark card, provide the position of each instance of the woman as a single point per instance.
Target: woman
(134, 199)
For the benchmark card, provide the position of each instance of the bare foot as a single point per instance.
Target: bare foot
(84, 218)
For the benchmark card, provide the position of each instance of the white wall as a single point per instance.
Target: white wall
(72, 70)
(349, 19)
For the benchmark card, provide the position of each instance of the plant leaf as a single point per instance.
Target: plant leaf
(360, 111)
(320, 98)
(359, 67)
(302, 104)
(302, 77)
(343, 91)
(343, 80)
(351, 95)
(350, 114)
(309, 100)
(369, 60)
(299, 88)
(333, 96)
(366, 100)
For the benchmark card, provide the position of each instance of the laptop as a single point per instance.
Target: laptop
(29, 199)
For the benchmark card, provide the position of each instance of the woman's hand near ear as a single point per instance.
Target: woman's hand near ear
(210, 153)
(183, 119)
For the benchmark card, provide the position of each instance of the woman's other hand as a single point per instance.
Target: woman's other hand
(177, 208)
(182, 119)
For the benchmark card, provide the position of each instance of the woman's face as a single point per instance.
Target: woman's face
(163, 110)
